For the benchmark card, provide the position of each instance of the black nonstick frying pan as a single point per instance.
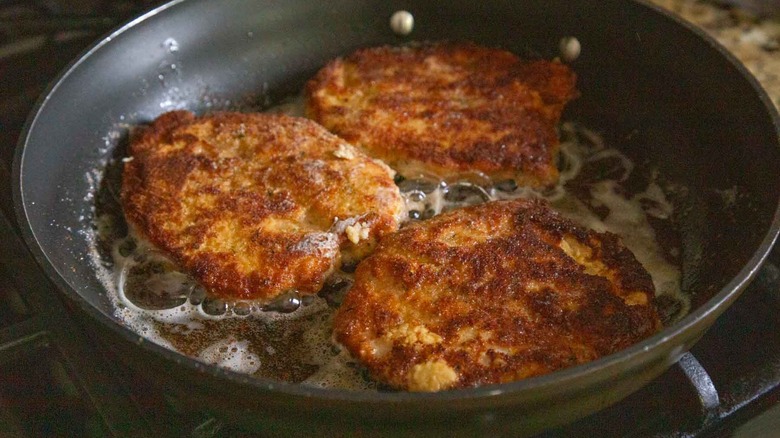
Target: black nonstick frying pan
(658, 89)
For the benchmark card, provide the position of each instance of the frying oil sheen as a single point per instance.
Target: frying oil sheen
(291, 339)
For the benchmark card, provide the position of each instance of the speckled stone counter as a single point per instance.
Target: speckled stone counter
(753, 40)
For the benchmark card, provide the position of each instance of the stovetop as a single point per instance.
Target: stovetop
(54, 381)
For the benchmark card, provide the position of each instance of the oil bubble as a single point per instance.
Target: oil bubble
(214, 306)
(127, 247)
(197, 295)
(416, 196)
(463, 194)
(155, 284)
(285, 303)
(334, 290)
(242, 308)
(507, 186)
(418, 185)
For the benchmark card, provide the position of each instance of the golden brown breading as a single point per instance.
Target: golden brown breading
(447, 108)
(253, 205)
(493, 293)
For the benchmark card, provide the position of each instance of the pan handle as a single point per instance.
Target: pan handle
(701, 381)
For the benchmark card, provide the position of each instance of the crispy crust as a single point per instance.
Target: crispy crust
(447, 108)
(490, 294)
(248, 203)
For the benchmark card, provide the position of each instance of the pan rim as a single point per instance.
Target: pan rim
(700, 317)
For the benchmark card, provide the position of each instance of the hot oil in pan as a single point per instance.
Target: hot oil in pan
(290, 339)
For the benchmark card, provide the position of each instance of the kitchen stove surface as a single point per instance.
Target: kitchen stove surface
(55, 381)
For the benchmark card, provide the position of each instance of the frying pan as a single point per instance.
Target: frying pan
(663, 92)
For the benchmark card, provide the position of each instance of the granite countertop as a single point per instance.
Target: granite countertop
(753, 40)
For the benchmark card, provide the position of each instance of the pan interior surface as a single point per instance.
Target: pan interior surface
(662, 93)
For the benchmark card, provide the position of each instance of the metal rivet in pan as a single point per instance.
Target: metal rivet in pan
(570, 48)
(171, 44)
(402, 22)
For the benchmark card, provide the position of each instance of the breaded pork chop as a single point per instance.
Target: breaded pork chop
(447, 108)
(493, 293)
(254, 205)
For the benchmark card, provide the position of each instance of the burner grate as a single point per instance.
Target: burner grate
(52, 31)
